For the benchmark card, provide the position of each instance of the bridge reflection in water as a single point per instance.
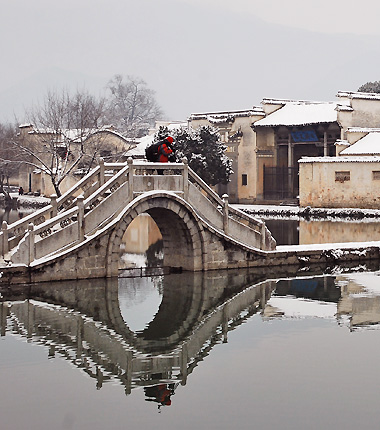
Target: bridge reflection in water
(86, 322)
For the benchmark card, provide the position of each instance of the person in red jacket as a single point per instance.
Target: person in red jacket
(165, 149)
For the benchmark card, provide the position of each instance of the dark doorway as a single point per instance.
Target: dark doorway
(280, 183)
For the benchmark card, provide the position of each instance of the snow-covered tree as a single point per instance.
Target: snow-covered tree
(56, 139)
(204, 151)
(370, 87)
(132, 107)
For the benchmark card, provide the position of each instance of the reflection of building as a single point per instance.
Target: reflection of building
(360, 302)
(353, 300)
(141, 233)
(303, 297)
(338, 231)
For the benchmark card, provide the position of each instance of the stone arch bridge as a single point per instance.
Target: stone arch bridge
(78, 235)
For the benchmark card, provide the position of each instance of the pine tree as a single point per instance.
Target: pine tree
(370, 87)
(204, 151)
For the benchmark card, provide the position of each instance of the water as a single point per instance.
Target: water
(209, 351)
(12, 215)
(288, 231)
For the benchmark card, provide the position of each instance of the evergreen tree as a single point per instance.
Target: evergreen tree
(370, 87)
(204, 151)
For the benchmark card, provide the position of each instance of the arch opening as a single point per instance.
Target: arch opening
(180, 232)
(141, 244)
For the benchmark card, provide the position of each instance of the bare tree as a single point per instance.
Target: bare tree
(9, 163)
(55, 140)
(132, 107)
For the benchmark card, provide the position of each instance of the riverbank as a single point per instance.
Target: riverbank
(24, 201)
(27, 201)
(308, 212)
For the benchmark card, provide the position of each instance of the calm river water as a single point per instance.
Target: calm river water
(220, 350)
(193, 351)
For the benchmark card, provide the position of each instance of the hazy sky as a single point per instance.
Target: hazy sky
(327, 16)
(196, 54)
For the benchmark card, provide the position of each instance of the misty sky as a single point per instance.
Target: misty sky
(327, 16)
(196, 54)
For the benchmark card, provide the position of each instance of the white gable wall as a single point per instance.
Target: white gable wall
(340, 182)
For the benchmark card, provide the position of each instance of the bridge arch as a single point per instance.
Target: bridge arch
(180, 227)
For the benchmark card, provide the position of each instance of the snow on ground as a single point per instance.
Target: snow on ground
(30, 201)
(309, 212)
(339, 247)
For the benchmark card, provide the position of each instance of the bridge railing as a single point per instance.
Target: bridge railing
(71, 226)
(148, 176)
(12, 234)
(232, 221)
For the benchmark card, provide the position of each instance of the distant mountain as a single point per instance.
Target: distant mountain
(198, 59)
(32, 90)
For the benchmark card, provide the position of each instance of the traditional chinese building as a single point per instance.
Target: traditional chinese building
(266, 143)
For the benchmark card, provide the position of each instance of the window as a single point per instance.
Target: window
(342, 176)
(375, 175)
(244, 179)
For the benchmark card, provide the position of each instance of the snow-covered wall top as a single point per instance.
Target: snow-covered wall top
(358, 95)
(226, 115)
(341, 159)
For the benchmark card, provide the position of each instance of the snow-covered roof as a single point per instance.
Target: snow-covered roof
(301, 113)
(74, 134)
(341, 159)
(367, 145)
(139, 149)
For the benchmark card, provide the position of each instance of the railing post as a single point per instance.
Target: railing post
(30, 239)
(80, 205)
(130, 177)
(263, 235)
(101, 172)
(53, 202)
(4, 231)
(225, 213)
(185, 178)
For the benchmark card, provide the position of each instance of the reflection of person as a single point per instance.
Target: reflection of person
(161, 394)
